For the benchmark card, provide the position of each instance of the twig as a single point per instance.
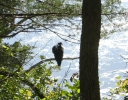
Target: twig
(124, 59)
(38, 52)
(66, 73)
(58, 34)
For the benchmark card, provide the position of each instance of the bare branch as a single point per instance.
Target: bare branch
(124, 13)
(46, 60)
(14, 34)
(59, 35)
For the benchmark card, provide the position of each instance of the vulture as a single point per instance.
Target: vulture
(58, 51)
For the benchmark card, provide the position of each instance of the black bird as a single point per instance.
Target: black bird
(58, 51)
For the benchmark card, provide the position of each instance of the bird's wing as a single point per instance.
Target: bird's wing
(62, 50)
(54, 49)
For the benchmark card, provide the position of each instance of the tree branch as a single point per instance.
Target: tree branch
(14, 34)
(54, 13)
(46, 60)
(34, 88)
(32, 15)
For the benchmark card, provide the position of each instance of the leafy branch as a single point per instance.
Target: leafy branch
(24, 81)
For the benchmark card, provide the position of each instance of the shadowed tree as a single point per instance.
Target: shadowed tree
(91, 23)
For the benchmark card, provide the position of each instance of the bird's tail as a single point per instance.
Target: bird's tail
(59, 63)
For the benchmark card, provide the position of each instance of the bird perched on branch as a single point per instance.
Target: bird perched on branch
(58, 51)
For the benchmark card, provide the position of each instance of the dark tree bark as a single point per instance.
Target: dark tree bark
(91, 23)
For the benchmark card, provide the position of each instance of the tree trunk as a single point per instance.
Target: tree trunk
(91, 23)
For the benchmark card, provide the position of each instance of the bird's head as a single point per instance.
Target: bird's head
(60, 43)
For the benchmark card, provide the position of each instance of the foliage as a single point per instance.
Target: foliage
(122, 86)
(65, 91)
(51, 9)
(36, 13)
(14, 56)
(120, 90)
(17, 84)
(7, 23)
(52, 14)
(112, 12)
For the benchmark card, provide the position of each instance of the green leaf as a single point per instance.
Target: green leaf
(78, 91)
(5, 47)
(21, 91)
(55, 79)
(42, 57)
(118, 77)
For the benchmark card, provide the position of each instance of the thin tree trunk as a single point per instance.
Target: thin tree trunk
(91, 22)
